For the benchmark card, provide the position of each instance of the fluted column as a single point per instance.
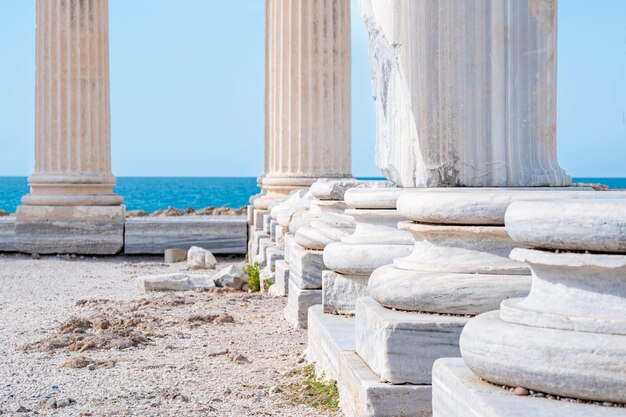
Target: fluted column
(72, 128)
(71, 207)
(466, 91)
(308, 66)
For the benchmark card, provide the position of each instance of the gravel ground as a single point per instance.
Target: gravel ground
(189, 364)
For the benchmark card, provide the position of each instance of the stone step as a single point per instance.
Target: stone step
(458, 392)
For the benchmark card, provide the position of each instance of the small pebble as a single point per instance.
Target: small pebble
(521, 391)
(91, 366)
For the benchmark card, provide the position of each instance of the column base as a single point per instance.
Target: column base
(328, 336)
(281, 279)
(87, 230)
(340, 292)
(298, 303)
(363, 395)
(401, 347)
(305, 265)
(457, 392)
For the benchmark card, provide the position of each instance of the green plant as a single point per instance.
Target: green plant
(253, 271)
(312, 391)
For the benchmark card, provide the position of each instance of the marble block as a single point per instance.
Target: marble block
(272, 254)
(340, 292)
(328, 335)
(458, 392)
(333, 189)
(264, 243)
(298, 303)
(89, 230)
(254, 236)
(7, 234)
(363, 395)
(257, 218)
(281, 279)
(305, 265)
(400, 347)
(219, 234)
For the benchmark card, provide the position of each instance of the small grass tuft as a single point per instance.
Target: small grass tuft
(312, 391)
(253, 271)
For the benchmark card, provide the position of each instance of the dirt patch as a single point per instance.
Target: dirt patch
(80, 362)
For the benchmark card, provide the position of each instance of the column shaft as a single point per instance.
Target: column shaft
(72, 132)
(308, 77)
(466, 91)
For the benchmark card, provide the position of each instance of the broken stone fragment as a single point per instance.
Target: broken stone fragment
(173, 282)
(230, 277)
(200, 258)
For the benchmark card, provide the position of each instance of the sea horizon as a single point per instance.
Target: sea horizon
(151, 193)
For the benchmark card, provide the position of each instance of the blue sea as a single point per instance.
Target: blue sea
(154, 193)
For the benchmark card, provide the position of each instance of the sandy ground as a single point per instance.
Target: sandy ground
(180, 369)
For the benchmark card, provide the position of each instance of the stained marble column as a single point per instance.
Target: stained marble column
(71, 206)
(465, 91)
(307, 102)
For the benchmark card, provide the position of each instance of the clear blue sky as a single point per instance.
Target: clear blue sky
(187, 88)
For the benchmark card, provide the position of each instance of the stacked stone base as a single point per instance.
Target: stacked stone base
(332, 345)
(89, 230)
(340, 291)
(458, 392)
(298, 303)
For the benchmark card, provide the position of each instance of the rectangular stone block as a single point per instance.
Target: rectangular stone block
(219, 234)
(340, 292)
(328, 335)
(298, 303)
(88, 230)
(271, 256)
(250, 215)
(363, 395)
(264, 243)
(458, 392)
(305, 265)
(281, 279)
(257, 218)
(7, 234)
(254, 238)
(401, 347)
(267, 221)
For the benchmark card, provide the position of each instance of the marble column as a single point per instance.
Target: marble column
(465, 91)
(308, 62)
(71, 206)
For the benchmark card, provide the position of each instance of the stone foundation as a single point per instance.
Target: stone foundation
(90, 230)
(458, 392)
(340, 292)
(298, 303)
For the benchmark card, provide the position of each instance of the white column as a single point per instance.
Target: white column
(308, 79)
(466, 91)
(72, 128)
(71, 207)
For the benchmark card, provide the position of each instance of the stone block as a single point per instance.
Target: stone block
(400, 347)
(363, 395)
(281, 279)
(7, 234)
(272, 254)
(219, 234)
(264, 243)
(298, 303)
(175, 255)
(257, 218)
(305, 265)
(89, 230)
(458, 392)
(340, 292)
(328, 335)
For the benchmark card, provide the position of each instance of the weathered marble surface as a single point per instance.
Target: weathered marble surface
(375, 195)
(328, 335)
(340, 292)
(218, 234)
(400, 347)
(574, 364)
(444, 292)
(442, 125)
(596, 224)
(7, 234)
(92, 230)
(298, 303)
(281, 279)
(307, 101)
(305, 265)
(333, 189)
(457, 392)
(363, 395)
(477, 206)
